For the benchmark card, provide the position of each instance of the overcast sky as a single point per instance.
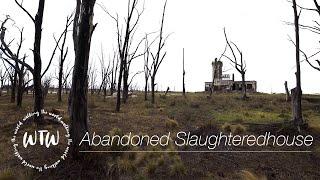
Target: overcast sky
(256, 26)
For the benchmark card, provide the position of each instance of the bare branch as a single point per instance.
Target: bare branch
(26, 11)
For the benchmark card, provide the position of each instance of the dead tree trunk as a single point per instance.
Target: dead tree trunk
(38, 92)
(167, 91)
(183, 74)
(288, 97)
(125, 89)
(60, 83)
(146, 90)
(114, 73)
(20, 91)
(14, 85)
(244, 87)
(297, 92)
(63, 55)
(152, 89)
(83, 29)
(21, 86)
(3, 77)
(119, 87)
(146, 68)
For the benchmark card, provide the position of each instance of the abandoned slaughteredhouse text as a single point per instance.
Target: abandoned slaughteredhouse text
(187, 139)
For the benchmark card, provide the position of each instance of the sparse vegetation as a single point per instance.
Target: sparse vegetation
(226, 111)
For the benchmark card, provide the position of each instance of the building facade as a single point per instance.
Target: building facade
(225, 82)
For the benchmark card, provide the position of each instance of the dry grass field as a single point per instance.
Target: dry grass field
(196, 113)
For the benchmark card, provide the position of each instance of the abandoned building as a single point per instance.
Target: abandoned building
(225, 82)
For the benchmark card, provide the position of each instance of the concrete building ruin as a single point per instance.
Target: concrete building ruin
(225, 82)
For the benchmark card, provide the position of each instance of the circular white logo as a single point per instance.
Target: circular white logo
(44, 146)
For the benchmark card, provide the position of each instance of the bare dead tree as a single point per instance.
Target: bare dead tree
(147, 72)
(36, 70)
(2, 81)
(297, 92)
(114, 71)
(183, 74)
(63, 56)
(21, 83)
(3, 77)
(10, 72)
(66, 82)
(315, 29)
(27, 82)
(126, 82)
(312, 28)
(105, 75)
(132, 87)
(15, 60)
(92, 78)
(14, 76)
(158, 57)
(46, 85)
(17, 79)
(103, 70)
(241, 66)
(130, 56)
(83, 29)
(147, 66)
(124, 42)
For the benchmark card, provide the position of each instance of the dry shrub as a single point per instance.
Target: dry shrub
(235, 129)
(177, 167)
(151, 166)
(141, 158)
(126, 165)
(226, 127)
(171, 124)
(161, 160)
(247, 175)
(238, 129)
